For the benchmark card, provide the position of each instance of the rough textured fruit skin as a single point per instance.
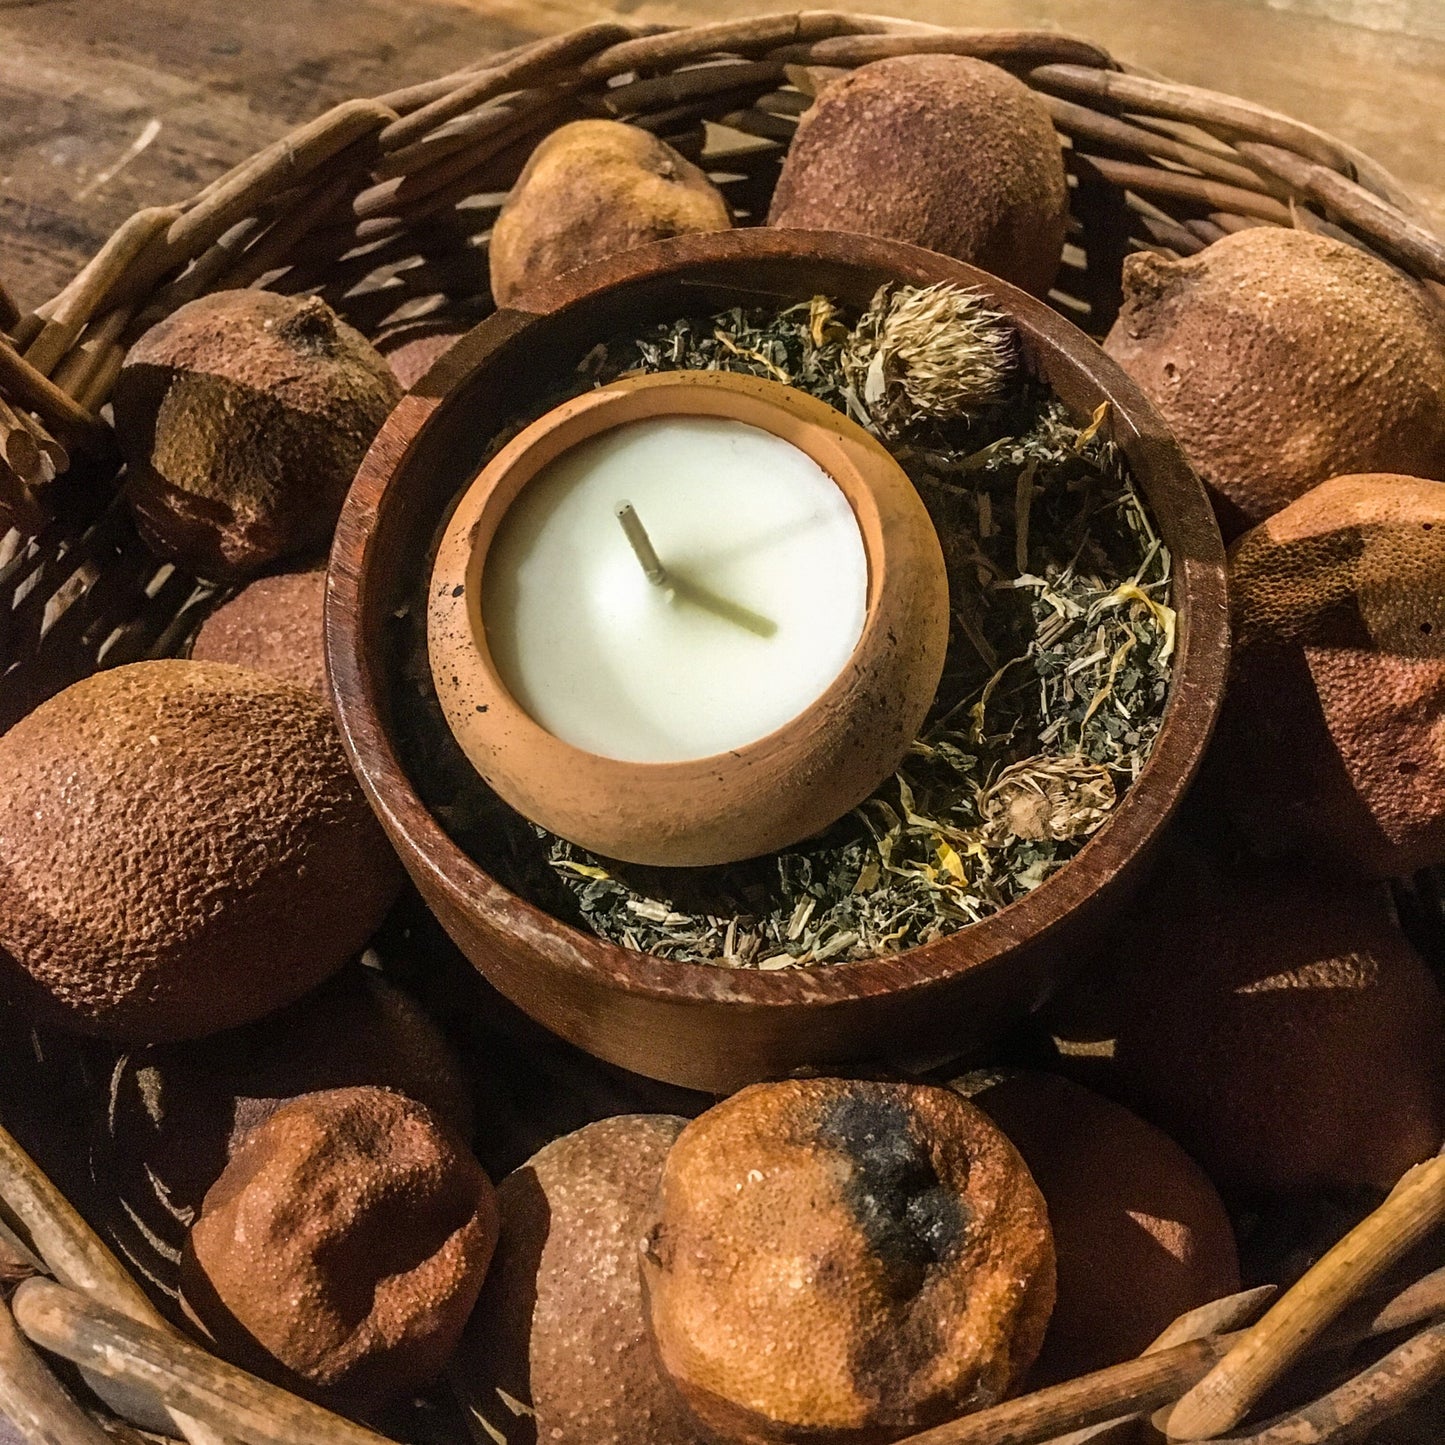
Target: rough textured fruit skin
(1279, 1026)
(561, 1324)
(1332, 745)
(1140, 1234)
(1279, 359)
(343, 1248)
(182, 850)
(836, 1261)
(411, 351)
(942, 151)
(242, 418)
(177, 1113)
(592, 188)
(274, 624)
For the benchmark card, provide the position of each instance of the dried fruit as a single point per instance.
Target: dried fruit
(243, 418)
(177, 1113)
(843, 1261)
(183, 849)
(560, 1329)
(592, 188)
(1140, 1234)
(274, 624)
(1333, 741)
(942, 151)
(1279, 359)
(343, 1248)
(412, 351)
(1279, 1026)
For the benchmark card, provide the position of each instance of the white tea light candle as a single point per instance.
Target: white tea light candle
(761, 602)
(688, 618)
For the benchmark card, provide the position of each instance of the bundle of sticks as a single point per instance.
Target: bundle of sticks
(39, 424)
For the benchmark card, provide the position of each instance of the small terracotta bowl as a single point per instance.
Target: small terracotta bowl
(775, 791)
(694, 1024)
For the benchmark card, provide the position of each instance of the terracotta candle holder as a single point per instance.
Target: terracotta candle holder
(772, 791)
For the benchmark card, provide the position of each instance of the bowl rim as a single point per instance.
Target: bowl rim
(1196, 685)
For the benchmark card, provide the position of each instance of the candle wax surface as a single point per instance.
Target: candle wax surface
(770, 598)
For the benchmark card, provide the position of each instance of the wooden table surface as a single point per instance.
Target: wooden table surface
(108, 105)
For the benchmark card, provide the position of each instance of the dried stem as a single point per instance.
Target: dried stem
(1152, 181)
(108, 1343)
(20, 448)
(77, 373)
(752, 36)
(18, 507)
(1160, 1376)
(1356, 207)
(1209, 109)
(60, 413)
(1213, 1318)
(68, 313)
(1080, 121)
(1221, 1400)
(537, 63)
(75, 1255)
(1020, 49)
(1133, 1388)
(1372, 1398)
(33, 1400)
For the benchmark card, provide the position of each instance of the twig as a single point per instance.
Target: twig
(1374, 1396)
(19, 448)
(53, 452)
(33, 1400)
(1226, 1395)
(68, 313)
(536, 63)
(105, 1342)
(100, 340)
(60, 412)
(1133, 1388)
(18, 507)
(1196, 1324)
(1016, 49)
(1157, 1378)
(1355, 206)
(75, 1255)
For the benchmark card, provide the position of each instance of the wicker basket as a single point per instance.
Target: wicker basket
(383, 207)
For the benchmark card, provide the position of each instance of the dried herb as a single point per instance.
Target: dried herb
(1052, 694)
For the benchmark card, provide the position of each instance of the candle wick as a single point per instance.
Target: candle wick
(636, 533)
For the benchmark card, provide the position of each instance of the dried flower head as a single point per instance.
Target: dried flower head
(934, 351)
(1047, 798)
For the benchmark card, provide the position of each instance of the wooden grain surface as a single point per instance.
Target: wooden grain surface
(106, 107)
(199, 84)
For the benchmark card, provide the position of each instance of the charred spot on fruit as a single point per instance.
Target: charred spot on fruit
(910, 1220)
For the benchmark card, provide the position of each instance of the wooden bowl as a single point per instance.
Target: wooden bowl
(753, 799)
(694, 1024)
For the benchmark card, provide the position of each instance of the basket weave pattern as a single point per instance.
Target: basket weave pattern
(383, 207)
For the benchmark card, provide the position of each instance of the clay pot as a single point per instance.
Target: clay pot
(693, 1024)
(756, 798)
